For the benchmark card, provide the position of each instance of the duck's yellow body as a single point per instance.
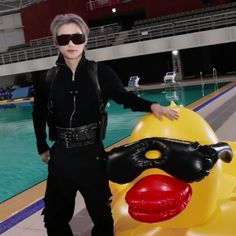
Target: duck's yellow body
(212, 207)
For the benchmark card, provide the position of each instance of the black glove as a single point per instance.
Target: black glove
(185, 160)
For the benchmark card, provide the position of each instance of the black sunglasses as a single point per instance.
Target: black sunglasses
(64, 39)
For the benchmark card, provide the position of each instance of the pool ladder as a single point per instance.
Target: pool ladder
(215, 78)
(202, 84)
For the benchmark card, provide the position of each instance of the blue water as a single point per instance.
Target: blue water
(20, 165)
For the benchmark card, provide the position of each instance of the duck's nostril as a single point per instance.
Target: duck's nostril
(152, 154)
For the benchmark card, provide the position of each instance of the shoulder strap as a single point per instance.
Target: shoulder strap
(92, 71)
(50, 77)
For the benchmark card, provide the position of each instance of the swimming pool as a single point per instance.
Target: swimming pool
(20, 166)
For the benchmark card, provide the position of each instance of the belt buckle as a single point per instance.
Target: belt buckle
(72, 138)
(68, 138)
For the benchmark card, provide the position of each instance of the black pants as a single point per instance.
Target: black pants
(71, 171)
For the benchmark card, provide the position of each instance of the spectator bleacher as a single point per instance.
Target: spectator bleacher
(223, 15)
(186, 15)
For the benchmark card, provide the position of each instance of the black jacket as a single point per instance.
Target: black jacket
(75, 101)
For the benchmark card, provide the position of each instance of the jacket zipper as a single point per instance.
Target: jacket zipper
(74, 103)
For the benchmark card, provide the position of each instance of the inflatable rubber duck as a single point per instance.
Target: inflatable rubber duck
(159, 201)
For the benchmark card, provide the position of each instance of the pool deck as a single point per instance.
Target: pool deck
(21, 215)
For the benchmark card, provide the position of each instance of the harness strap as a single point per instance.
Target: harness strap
(50, 78)
(92, 70)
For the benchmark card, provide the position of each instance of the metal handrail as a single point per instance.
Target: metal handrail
(94, 4)
(124, 37)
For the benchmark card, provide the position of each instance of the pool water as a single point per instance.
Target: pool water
(20, 165)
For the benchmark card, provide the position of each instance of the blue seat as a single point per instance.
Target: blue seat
(21, 92)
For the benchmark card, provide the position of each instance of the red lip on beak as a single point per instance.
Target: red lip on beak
(157, 198)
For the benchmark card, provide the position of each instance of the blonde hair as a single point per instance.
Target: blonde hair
(60, 20)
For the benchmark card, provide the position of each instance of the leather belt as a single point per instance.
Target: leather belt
(79, 136)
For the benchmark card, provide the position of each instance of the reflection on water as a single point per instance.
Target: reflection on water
(175, 94)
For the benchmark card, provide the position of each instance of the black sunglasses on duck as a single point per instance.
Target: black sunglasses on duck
(64, 39)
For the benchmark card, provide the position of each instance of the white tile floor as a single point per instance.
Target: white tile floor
(33, 225)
